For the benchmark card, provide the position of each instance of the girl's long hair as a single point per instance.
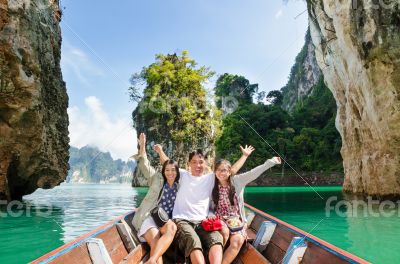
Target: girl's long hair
(215, 191)
(168, 162)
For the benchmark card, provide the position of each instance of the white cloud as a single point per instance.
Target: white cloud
(93, 126)
(278, 14)
(77, 62)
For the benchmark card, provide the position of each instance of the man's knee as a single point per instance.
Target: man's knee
(225, 234)
(169, 228)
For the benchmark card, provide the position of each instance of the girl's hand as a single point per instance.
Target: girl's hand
(247, 150)
(142, 139)
(157, 148)
(277, 160)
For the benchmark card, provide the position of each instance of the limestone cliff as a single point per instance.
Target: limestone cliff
(304, 75)
(358, 49)
(156, 133)
(33, 100)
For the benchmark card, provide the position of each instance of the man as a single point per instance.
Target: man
(192, 206)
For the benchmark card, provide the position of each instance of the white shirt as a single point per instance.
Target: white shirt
(193, 198)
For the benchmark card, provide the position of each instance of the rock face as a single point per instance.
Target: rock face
(304, 75)
(34, 138)
(358, 50)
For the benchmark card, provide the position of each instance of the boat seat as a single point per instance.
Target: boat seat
(251, 235)
(127, 236)
(295, 251)
(98, 252)
(264, 234)
(136, 256)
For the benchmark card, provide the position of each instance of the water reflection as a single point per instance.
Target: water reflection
(27, 231)
(85, 207)
(369, 230)
(373, 229)
(50, 218)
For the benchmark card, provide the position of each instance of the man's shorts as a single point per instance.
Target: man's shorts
(191, 236)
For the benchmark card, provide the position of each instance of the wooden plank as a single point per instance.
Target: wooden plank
(98, 252)
(251, 235)
(252, 256)
(71, 245)
(274, 253)
(126, 237)
(77, 255)
(131, 230)
(114, 245)
(135, 256)
(282, 237)
(315, 255)
(257, 221)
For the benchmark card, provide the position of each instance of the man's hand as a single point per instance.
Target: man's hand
(212, 217)
(157, 148)
(247, 150)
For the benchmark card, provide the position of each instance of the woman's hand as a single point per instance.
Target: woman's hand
(142, 140)
(247, 150)
(277, 160)
(157, 148)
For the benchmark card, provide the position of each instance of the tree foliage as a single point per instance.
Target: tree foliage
(174, 102)
(307, 138)
(234, 86)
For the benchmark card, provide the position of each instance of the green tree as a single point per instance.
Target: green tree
(307, 139)
(275, 97)
(238, 87)
(268, 123)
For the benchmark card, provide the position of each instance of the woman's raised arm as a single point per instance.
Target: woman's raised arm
(246, 151)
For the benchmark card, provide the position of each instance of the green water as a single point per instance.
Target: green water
(50, 218)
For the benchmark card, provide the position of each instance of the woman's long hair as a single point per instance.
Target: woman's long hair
(215, 191)
(169, 162)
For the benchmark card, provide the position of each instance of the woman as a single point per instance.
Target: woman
(228, 199)
(162, 192)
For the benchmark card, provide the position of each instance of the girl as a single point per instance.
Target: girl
(228, 199)
(162, 192)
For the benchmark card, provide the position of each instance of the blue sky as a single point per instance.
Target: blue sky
(105, 42)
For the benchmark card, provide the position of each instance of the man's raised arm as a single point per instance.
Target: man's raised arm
(246, 151)
(158, 149)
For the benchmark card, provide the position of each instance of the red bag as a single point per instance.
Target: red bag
(210, 225)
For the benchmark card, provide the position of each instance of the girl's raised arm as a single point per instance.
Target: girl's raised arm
(246, 151)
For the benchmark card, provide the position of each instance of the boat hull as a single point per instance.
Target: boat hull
(281, 246)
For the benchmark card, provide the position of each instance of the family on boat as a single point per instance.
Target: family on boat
(200, 212)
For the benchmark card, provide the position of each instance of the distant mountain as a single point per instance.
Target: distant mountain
(90, 165)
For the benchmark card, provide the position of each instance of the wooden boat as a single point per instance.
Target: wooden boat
(270, 241)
